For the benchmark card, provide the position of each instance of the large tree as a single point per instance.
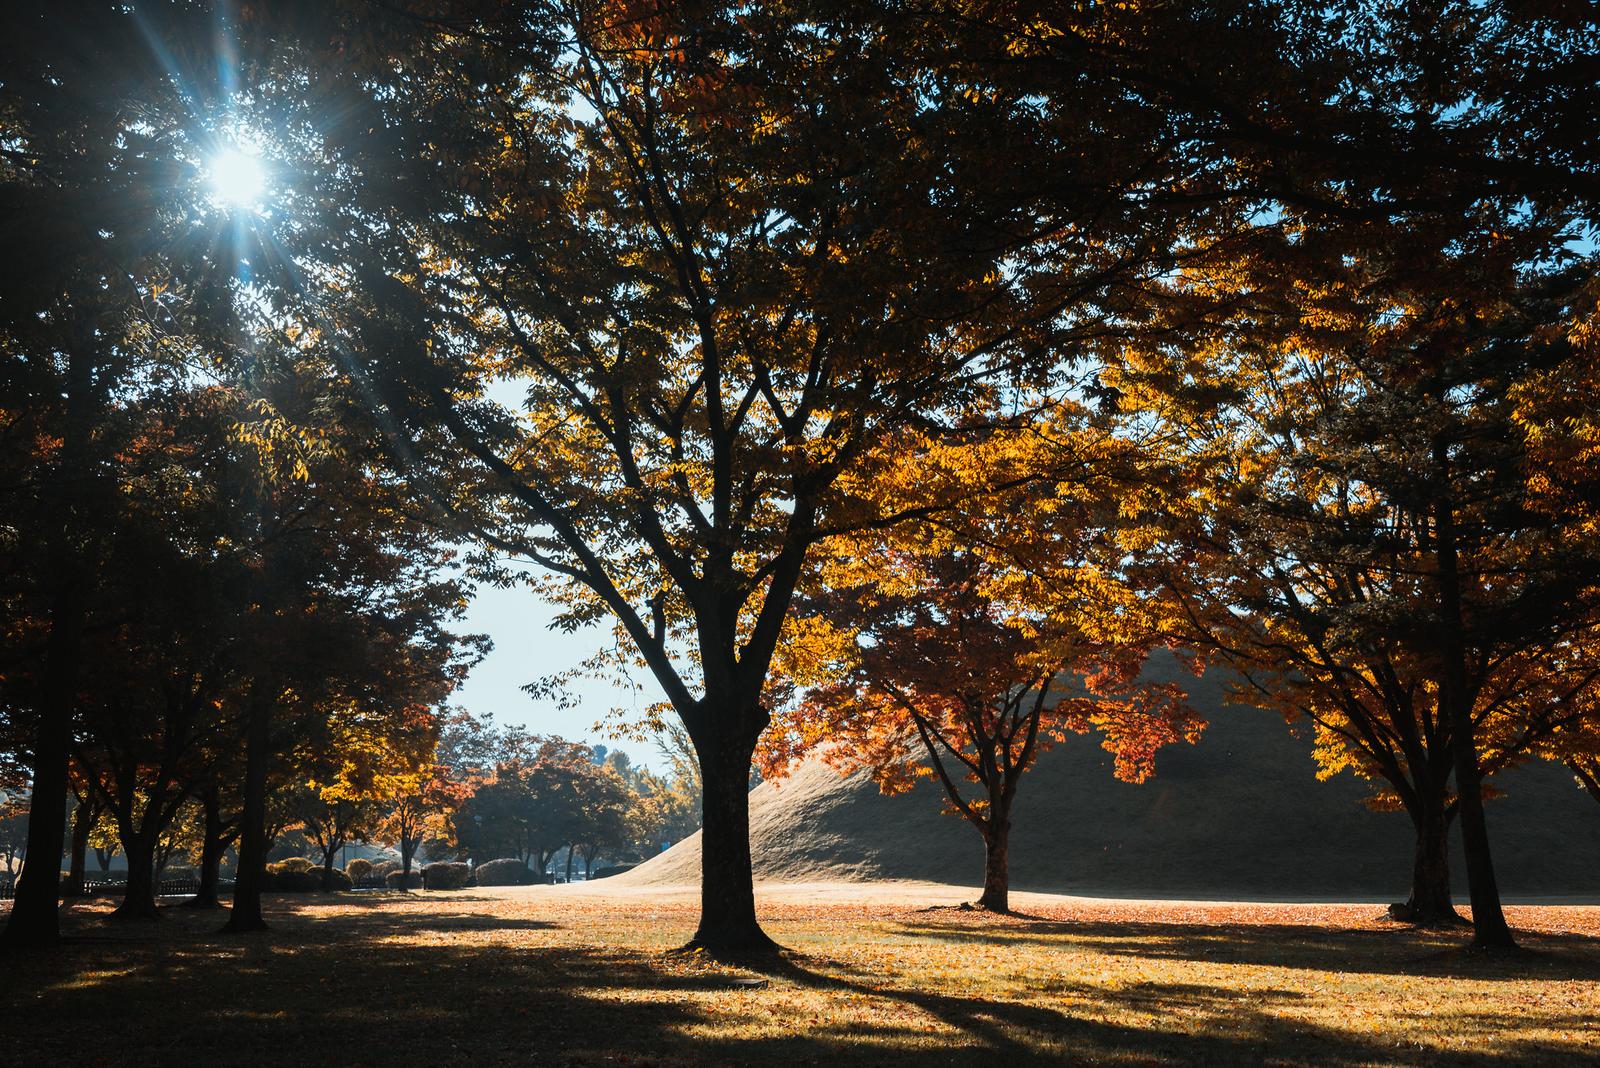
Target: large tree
(646, 292)
(1375, 550)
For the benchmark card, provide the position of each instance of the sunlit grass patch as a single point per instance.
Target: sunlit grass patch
(585, 977)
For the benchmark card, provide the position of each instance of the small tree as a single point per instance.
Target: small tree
(965, 649)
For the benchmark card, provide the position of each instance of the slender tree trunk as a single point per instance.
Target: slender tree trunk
(997, 865)
(728, 921)
(1588, 773)
(139, 896)
(408, 849)
(1488, 918)
(569, 863)
(35, 918)
(253, 844)
(83, 818)
(1431, 903)
(211, 853)
(1490, 930)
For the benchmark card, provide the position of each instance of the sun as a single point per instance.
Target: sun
(236, 178)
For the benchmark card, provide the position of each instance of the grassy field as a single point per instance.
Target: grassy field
(884, 974)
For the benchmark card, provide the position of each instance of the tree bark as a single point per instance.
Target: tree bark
(327, 868)
(997, 865)
(1490, 930)
(253, 845)
(83, 818)
(1431, 902)
(408, 849)
(569, 865)
(139, 896)
(728, 923)
(211, 853)
(35, 918)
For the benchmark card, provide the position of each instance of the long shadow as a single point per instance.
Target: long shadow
(349, 987)
(1403, 951)
(1189, 1024)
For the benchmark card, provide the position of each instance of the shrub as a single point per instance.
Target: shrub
(384, 867)
(395, 881)
(294, 864)
(445, 875)
(510, 872)
(292, 879)
(340, 881)
(606, 873)
(358, 869)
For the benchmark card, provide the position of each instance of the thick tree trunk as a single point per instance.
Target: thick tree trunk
(997, 866)
(408, 849)
(327, 868)
(728, 922)
(78, 873)
(139, 896)
(1431, 903)
(253, 844)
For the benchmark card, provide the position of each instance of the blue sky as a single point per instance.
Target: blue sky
(525, 649)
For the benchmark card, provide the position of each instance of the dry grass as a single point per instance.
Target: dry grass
(554, 975)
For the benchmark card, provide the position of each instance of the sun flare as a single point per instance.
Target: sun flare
(236, 178)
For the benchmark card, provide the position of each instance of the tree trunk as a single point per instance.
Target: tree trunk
(1488, 919)
(83, 818)
(997, 866)
(253, 845)
(34, 920)
(1431, 903)
(211, 853)
(103, 858)
(1490, 930)
(327, 868)
(408, 849)
(728, 922)
(139, 896)
(569, 864)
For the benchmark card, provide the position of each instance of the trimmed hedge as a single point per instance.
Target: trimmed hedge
(508, 872)
(616, 869)
(358, 869)
(411, 882)
(341, 881)
(384, 867)
(294, 864)
(445, 875)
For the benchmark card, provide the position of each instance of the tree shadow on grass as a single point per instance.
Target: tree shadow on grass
(1395, 951)
(378, 987)
(1184, 1023)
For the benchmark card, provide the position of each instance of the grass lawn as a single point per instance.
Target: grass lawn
(886, 974)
